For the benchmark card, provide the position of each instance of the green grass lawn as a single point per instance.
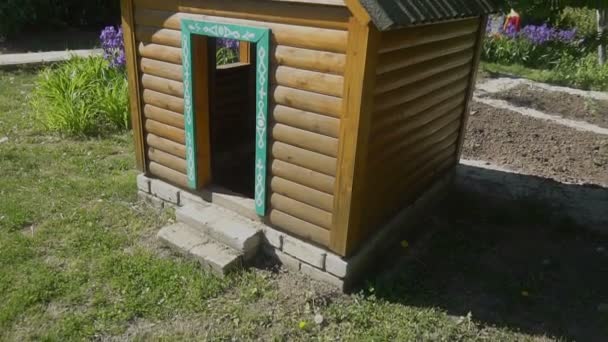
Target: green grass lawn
(78, 260)
(544, 76)
(516, 70)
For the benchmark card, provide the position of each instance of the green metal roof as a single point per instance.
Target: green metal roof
(392, 14)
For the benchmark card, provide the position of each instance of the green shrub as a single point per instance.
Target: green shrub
(226, 55)
(83, 96)
(585, 73)
(584, 19)
(19, 15)
(585, 22)
(14, 14)
(505, 50)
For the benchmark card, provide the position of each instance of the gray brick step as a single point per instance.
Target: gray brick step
(193, 243)
(224, 226)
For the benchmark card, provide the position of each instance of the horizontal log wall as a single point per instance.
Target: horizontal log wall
(307, 81)
(422, 82)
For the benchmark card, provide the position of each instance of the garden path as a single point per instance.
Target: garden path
(44, 57)
(495, 85)
(487, 92)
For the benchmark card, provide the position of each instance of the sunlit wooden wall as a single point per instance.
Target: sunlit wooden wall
(308, 61)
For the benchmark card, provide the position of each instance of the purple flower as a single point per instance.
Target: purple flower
(113, 46)
(566, 35)
(231, 44)
(535, 34)
(539, 35)
(489, 25)
(511, 31)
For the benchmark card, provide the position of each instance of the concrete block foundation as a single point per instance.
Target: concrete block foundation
(290, 251)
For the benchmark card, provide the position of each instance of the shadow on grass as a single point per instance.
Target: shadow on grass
(510, 264)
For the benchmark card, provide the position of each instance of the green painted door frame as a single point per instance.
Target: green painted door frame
(259, 36)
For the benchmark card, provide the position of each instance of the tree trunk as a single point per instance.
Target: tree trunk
(602, 26)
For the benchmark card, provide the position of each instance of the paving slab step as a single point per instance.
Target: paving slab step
(193, 243)
(224, 226)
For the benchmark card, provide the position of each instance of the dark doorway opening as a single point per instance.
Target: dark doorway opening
(232, 116)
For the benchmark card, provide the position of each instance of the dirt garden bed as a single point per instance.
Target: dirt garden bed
(569, 106)
(535, 146)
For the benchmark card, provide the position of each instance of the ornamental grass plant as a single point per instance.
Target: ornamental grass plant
(86, 96)
(83, 96)
(227, 51)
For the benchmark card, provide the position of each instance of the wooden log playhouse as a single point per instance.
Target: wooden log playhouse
(340, 122)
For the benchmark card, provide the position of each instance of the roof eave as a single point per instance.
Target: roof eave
(395, 14)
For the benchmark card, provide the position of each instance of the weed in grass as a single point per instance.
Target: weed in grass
(372, 319)
(593, 107)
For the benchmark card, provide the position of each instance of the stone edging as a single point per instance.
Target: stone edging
(506, 83)
(578, 125)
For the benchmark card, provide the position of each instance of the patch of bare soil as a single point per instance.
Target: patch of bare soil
(535, 146)
(256, 313)
(569, 106)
